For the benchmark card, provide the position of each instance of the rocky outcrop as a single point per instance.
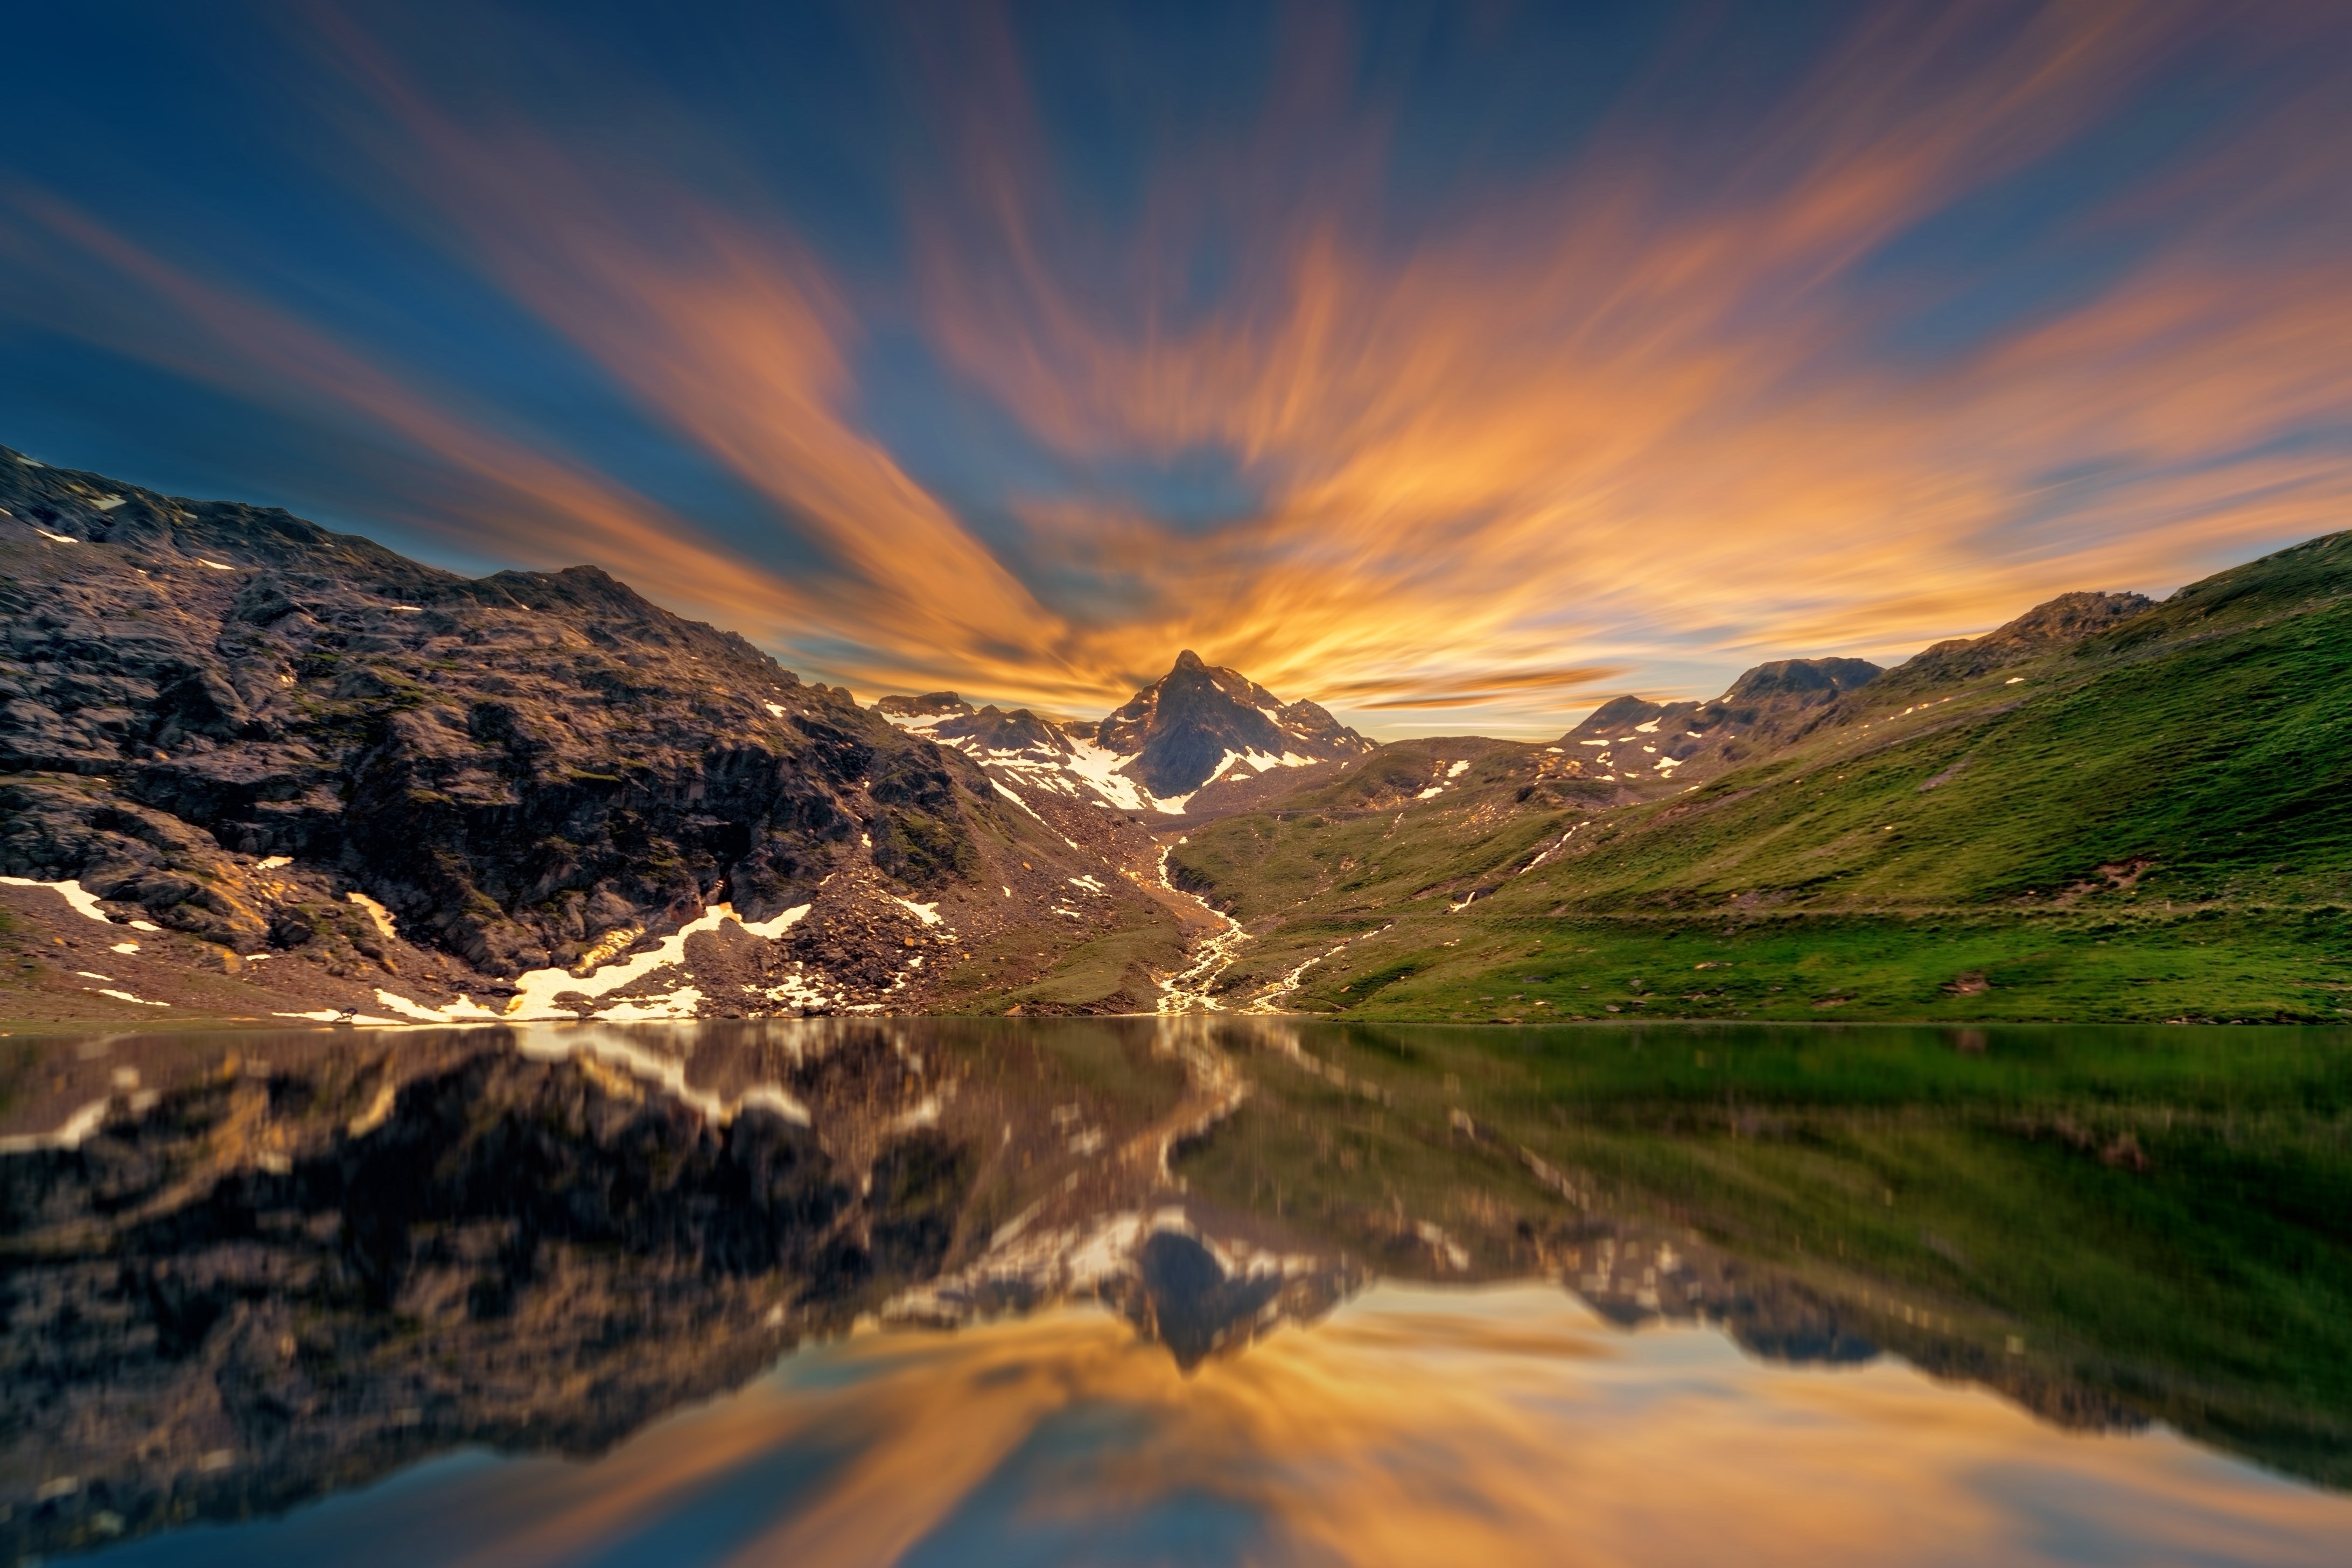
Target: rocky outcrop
(978, 732)
(519, 769)
(2067, 619)
(1786, 683)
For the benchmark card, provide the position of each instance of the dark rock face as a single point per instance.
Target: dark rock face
(1799, 681)
(514, 766)
(1180, 728)
(2068, 619)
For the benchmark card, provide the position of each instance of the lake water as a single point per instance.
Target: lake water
(1196, 1290)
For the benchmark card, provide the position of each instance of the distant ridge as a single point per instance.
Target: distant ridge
(1627, 740)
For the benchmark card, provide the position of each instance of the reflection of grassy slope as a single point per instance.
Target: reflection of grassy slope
(2203, 750)
(1110, 973)
(2199, 1273)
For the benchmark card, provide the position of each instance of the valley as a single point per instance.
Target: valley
(253, 771)
(2086, 815)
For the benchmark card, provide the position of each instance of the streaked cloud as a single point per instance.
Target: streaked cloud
(1470, 688)
(540, 506)
(1947, 310)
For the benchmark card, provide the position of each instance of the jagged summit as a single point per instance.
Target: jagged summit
(931, 704)
(1196, 725)
(1199, 721)
(1799, 681)
(1016, 740)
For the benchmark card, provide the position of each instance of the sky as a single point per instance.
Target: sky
(1456, 365)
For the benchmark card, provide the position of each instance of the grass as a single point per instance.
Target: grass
(2223, 763)
(994, 976)
(2211, 964)
(2150, 823)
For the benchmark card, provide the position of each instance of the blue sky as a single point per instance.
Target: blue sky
(1456, 365)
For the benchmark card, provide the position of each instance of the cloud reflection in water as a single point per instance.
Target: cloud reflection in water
(1414, 1425)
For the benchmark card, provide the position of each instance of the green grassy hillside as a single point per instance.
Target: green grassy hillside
(2152, 822)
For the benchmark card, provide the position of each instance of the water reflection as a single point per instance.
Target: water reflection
(1411, 1427)
(274, 1268)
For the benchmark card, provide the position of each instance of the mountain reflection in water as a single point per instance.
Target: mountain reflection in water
(1908, 1295)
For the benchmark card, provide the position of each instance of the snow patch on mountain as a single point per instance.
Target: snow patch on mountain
(1196, 726)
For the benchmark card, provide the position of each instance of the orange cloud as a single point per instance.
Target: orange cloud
(1472, 688)
(1634, 418)
(535, 504)
(1592, 423)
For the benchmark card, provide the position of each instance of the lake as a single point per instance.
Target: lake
(1190, 1289)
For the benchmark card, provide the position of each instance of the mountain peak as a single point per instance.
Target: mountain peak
(2049, 625)
(931, 705)
(1200, 719)
(1808, 680)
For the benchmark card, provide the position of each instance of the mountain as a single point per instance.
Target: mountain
(2063, 621)
(1643, 742)
(318, 778)
(1198, 723)
(2107, 808)
(1626, 751)
(1197, 726)
(251, 768)
(1019, 748)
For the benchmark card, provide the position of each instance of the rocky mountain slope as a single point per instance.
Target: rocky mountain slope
(1663, 743)
(353, 784)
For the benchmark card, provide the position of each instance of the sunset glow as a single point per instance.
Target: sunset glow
(1454, 367)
